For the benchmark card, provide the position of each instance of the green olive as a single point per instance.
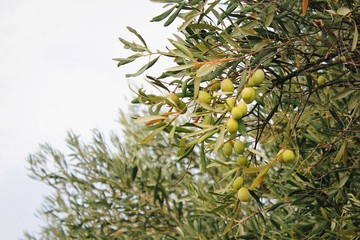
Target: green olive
(248, 94)
(229, 104)
(242, 161)
(204, 97)
(174, 98)
(239, 111)
(238, 182)
(243, 194)
(321, 80)
(257, 78)
(227, 149)
(288, 156)
(227, 85)
(239, 147)
(232, 125)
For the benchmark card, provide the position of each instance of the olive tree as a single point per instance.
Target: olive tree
(267, 94)
(253, 133)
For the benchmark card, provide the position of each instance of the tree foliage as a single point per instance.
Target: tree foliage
(116, 190)
(308, 105)
(178, 183)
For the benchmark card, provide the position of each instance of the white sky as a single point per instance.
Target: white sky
(56, 74)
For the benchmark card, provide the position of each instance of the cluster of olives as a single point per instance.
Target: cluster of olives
(235, 108)
(248, 95)
(243, 194)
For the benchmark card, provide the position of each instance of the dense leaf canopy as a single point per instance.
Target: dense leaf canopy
(264, 93)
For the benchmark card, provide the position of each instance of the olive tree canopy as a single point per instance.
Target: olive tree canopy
(262, 96)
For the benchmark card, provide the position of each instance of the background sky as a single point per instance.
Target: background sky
(57, 74)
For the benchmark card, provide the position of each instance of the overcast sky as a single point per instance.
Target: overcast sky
(56, 74)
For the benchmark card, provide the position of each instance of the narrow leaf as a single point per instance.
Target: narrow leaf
(182, 48)
(355, 38)
(203, 26)
(342, 94)
(231, 222)
(197, 82)
(137, 35)
(186, 153)
(255, 169)
(259, 178)
(198, 132)
(163, 15)
(207, 135)
(202, 158)
(305, 4)
(133, 46)
(220, 140)
(275, 206)
(173, 16)
(340, 153)
(172, 132)
(205, 69)
(134, 172)
(188, 19)
(152, 135)
(259, 46)
(143, 69)
(123, 61)
(148, 118)
(354, 102)
(270, 15)
(218, 208)
(260, 154)
(180, 67)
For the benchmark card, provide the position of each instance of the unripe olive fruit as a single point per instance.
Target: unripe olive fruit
(227, 85)
(215, 85)
(239, 147)
(182, 107)
(229, 104)
(227, 149)
(280, 155)
(288, 156)
(232, 125)
(321, 80)
(174, 98)
(204, 97)
(250, 83)
(248, 94)
(243, 194)
(238, 182)
(242, 161)
(239, 111)
(257, 78)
